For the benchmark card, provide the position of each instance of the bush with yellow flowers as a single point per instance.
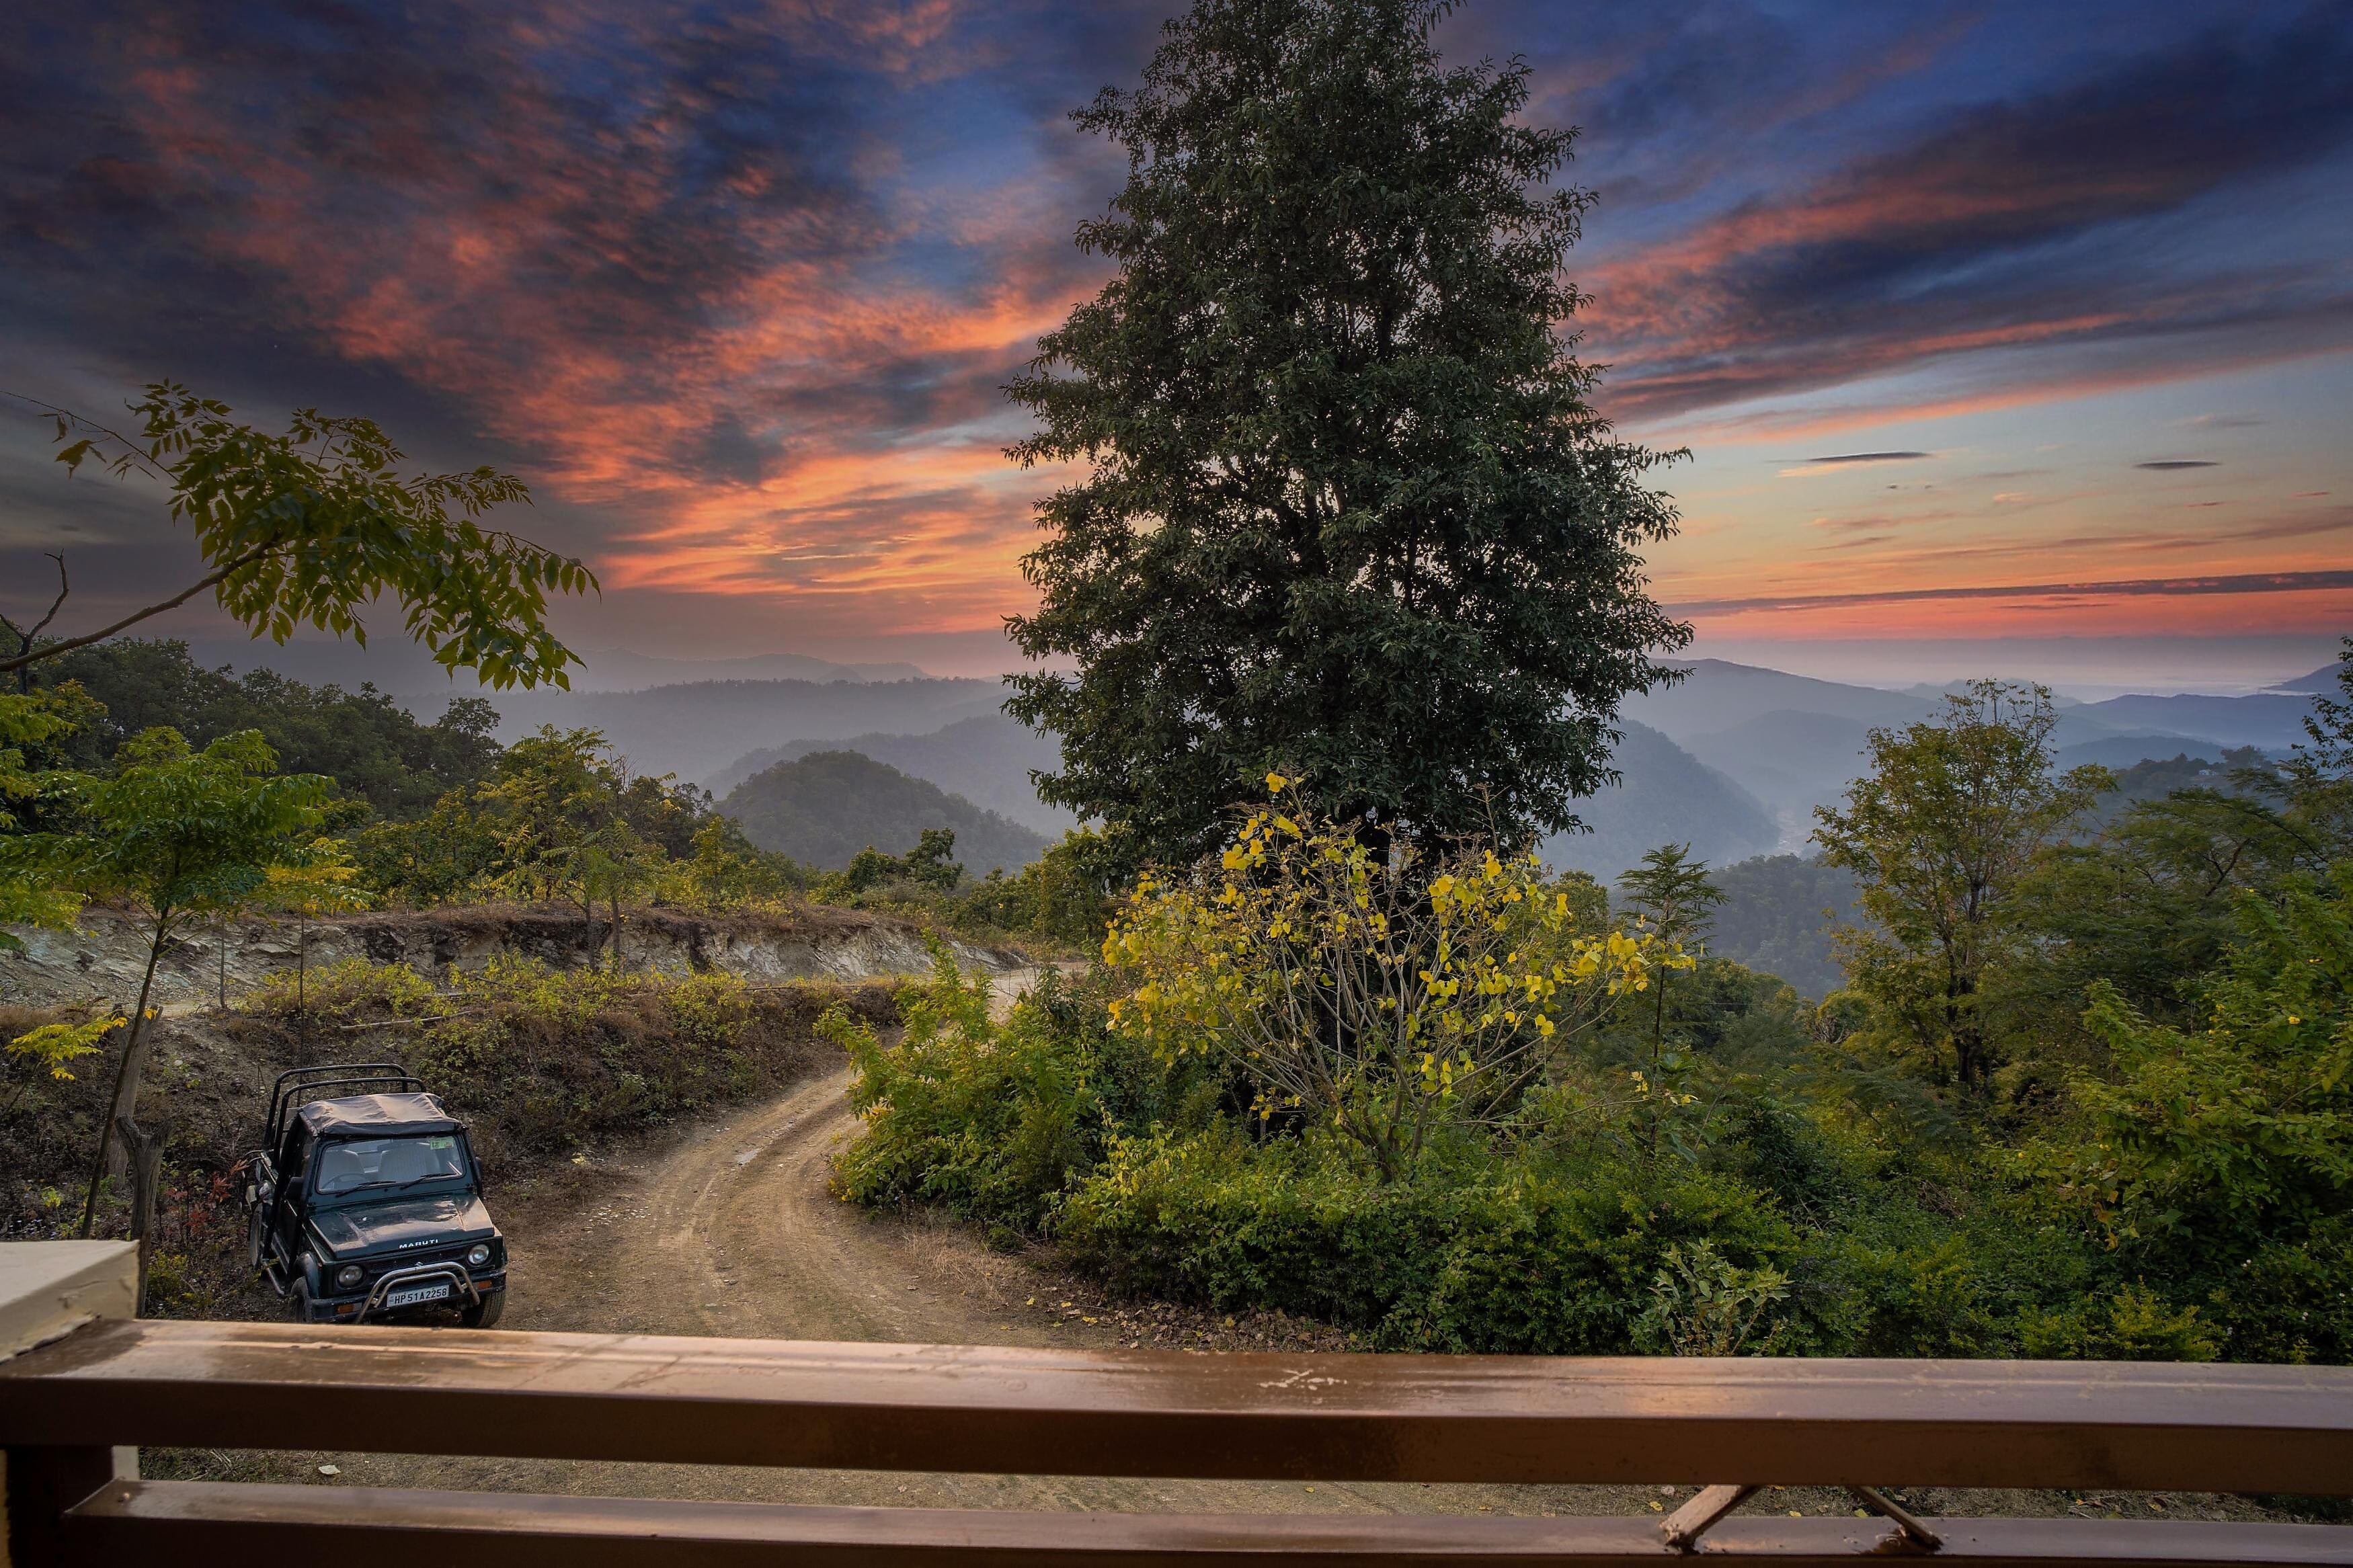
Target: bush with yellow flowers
(1374, 991)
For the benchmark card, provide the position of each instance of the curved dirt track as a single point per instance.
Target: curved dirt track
(734, 1232)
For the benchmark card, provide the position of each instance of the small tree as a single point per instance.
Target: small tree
(1951, 816)
(1372, 995)
(313, 524)
(1349, 508)
(179, 835)
(1671, 897)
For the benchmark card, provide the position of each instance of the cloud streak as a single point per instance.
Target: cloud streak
(2137, 588)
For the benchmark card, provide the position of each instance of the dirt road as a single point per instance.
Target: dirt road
(733, 1232)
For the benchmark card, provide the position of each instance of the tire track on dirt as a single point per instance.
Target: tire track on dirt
(736, 1232)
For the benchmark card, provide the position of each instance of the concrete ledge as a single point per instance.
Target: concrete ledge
(52, 1288)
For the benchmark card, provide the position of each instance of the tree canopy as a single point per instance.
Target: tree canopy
(1348, 510)
(312, 525)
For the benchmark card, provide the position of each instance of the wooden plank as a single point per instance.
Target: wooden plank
(1135, 1413)
(52, 1288)
(150, 1522)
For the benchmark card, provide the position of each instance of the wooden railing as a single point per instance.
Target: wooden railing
(69, 1404)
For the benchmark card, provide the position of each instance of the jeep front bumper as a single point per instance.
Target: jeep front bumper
(465, 1289)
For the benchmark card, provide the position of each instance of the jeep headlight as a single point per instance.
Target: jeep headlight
(348, 1276)
(477, 1255)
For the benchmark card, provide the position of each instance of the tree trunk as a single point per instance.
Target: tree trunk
(147, 1150)
(127, 1076)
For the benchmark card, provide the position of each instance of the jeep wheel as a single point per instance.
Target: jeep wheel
(484, 1313)
(298, 1302)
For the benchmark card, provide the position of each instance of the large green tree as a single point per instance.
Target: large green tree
(1347, 509)
(1952, 815)
(314, 525)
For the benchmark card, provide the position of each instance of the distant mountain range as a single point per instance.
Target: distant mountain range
(1795, 742)
(1732, 759)
(1666, 796)
(698, 731)
(406, 670)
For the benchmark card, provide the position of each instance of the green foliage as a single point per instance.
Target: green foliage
(181, 833)
(2147, 907)
(557, 817)
(314, 524)
(925, 868)
(995, 1120)
(1347, 509)
(727, 870)
(53, 1048)
(2132, 1324)
(1940, 834)
(2201, 1143)
(1703, 1304)
(373, 748)
(349, 991)
(30, 726)
(1668, 895)
(178, 834)
(1063, 897)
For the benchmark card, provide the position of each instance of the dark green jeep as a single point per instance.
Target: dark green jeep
(366, 1206)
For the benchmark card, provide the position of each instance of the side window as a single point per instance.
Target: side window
(298, 1156)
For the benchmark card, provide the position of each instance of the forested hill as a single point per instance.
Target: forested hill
(823, 809)
(1778, 914)
(372, 747)
(987, 760)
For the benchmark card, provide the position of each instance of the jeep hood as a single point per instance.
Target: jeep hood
(398, 1225)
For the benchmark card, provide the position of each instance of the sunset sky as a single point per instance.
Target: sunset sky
(1986, 324)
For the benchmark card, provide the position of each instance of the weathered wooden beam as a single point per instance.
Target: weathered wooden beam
(1144, 1413)
(152, 1521)
(50, 1289)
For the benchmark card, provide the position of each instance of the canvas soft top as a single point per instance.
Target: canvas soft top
(377, 1115)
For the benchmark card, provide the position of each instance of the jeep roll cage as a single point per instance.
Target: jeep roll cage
(293, 1087)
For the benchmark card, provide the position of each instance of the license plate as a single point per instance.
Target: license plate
(409, 1298)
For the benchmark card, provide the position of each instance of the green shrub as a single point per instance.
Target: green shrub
(348, 991)
(2132, 1324)
(996, 1121)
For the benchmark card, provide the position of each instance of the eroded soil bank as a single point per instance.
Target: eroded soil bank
(101, 959)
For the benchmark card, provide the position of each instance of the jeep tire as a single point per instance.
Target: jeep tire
(484, 1313)
(298, 1302)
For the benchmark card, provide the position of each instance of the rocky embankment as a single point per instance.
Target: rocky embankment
(100, 960)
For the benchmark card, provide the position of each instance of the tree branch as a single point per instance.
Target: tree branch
(24, 643)
(68, 644)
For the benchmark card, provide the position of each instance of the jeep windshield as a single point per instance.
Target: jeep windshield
(373, 1168)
